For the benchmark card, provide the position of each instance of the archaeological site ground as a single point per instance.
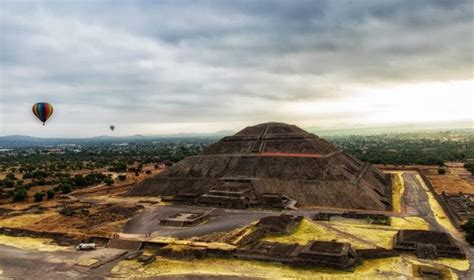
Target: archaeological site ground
(272, 201)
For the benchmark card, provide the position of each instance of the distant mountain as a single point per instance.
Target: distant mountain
(29, 141)
(396, 128)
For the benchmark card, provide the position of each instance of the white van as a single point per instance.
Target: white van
(85, 247)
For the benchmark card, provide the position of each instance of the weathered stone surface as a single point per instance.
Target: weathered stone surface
(244, 170)
(427, 244)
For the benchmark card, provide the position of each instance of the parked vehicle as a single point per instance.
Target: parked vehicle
(85, 247)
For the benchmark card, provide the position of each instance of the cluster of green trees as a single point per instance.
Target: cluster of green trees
(39, 167)
(469, 228)
(68, 183)
(469, 166)
(409, 148)
(102, 155)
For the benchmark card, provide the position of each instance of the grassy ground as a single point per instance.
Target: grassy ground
(211, 245)
(308, 230)
(359, 233)
(388, 268)
(24, 220)
(398, 188)
(28, 243)
(409, 223)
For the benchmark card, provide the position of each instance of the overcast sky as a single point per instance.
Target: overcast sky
(156, 67)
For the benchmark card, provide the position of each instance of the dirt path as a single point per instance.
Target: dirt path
(416, 202)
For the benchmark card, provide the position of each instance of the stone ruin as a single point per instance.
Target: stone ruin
(184, 219)
(461, 204)
(272, 165)
(378, 219)
(429, 272)
(314, 254)
(328, 254)
(427, 244)
(283, 224)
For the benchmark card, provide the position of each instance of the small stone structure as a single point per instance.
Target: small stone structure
(428, 272)
(378, 219)
(427, 244)
(185, 219)
(125, 244)
(283, 224)
(314, 253)
(275, 200)
(327, 254)
(462, 205)
(229, 195)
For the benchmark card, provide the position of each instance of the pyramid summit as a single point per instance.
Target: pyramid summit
(274, 165)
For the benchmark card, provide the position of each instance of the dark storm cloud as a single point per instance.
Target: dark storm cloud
(168, 61)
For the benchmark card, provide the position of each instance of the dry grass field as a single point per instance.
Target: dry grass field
(454, 181)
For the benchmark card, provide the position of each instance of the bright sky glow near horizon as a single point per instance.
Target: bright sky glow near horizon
(163, 67)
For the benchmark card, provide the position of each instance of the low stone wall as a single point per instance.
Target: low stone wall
(451, 215)
(378, 219)
(252, 237)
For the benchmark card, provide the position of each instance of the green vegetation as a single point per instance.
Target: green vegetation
(469, 228)
(50, 194)
(434, 148)
(470, 167)
(122, 177)
(20, 195)
(71, 166)
(38, 196)
(442, 170)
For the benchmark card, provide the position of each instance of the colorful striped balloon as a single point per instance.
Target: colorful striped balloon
(43, 111)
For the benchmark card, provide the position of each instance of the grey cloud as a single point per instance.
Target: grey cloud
(195, 60)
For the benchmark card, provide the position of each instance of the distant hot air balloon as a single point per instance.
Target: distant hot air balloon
(112, 127)
(43, 111)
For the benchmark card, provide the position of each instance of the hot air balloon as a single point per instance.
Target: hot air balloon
(43, 111)
(112, 127)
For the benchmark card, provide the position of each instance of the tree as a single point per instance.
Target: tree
(80, 181)
(38, 196)
(10, 176)
(118, 167)
(8, 183)
(50, 193)
(469, 228)
(66, 188)
(20, 195)
(122, 177)
(442, 170)
(108, 181)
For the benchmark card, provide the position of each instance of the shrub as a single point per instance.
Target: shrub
(10, 176)
(80, 181)
(38, 196)
(20, 195)
(108, 181)
(122, 177)
(118, 167)
(469, 228)
(442, 170)
(8, 183)
(50, 194)
(66, 188)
